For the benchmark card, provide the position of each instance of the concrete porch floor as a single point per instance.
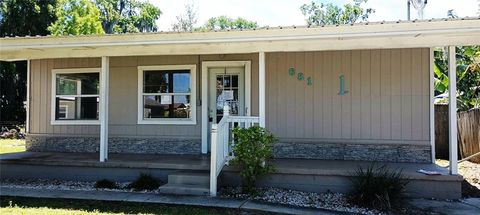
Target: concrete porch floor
(299, 174)
(190, 162)
(202, 162)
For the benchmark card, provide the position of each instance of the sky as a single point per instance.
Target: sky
(286, 12)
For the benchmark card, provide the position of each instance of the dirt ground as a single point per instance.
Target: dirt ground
(471, 175)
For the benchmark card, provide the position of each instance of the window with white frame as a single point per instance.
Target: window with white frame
(166, 94)
(75, 96)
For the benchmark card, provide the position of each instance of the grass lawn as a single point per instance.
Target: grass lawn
(11, 145)
(21, 205)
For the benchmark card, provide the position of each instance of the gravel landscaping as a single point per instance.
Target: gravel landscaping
(329, 201)
(44, 184)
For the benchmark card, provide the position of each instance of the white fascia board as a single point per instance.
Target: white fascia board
(392, 35)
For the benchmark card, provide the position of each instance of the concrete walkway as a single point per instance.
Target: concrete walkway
(202, 201)
(461, 207)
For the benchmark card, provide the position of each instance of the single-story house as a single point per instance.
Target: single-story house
(361, 92)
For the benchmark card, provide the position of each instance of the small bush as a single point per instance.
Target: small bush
(144, 182)
(377, 187)
(106, 184)
(253, 146)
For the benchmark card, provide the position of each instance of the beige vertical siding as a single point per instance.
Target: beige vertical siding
(123, 95)
(387, 96)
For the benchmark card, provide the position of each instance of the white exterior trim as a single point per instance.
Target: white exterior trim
(261, 88)
(432, 105)
(53, 121)
(193, 96)
(103, 113)
(452, 111)
(344, 37)
(27, 119)
(205, 74)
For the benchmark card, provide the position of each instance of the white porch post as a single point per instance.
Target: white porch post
(432, 107)
(27, 105)
(261, 88)
(103, 109)
(452, 110)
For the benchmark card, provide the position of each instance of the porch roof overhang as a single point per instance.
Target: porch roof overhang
(381, 35)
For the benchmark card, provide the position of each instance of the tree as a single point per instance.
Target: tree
(128, 16)
(226, 23)
(26, 17)
(76, 17)
(468, 76)
(20, 18)
(185, 22)
(330, 14)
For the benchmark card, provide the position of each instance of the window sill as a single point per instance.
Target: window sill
(167, 122)
(75, 122)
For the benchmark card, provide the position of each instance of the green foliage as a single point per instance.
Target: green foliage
(128, 16)
(26, 17)
(76, 17)
(377, 186)
(13, 78)
(331, 14)
(20, 18)
(227, 23)
(468, 75)
(144, 182)
(106, 184)
(253, 147)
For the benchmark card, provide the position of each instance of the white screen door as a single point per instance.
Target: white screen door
(226, 86)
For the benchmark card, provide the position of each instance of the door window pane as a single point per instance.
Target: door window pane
(227, 93)
(234, 80)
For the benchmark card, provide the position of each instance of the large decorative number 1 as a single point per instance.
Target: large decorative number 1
(342, 86)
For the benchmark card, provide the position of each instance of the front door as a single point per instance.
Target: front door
(226, 86)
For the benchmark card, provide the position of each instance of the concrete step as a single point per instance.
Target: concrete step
(190, 178)
(184, 189)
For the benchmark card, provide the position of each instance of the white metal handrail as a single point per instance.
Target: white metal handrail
(221, 137)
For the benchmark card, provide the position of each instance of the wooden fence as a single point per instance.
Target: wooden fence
(441, 131)
(468, 133)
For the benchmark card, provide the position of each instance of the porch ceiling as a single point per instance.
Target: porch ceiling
(427, 33)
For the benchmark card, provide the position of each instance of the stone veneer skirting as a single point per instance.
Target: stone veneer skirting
(309, 150)
(134, 145)
(354, 151)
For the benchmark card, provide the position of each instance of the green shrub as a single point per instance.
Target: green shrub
(106, 184)
(377, 186)
(253, 146)
(144, 182)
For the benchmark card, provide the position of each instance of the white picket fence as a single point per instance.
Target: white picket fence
(221, 140)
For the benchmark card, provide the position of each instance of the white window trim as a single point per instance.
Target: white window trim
(53, 121)
(193, 98)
